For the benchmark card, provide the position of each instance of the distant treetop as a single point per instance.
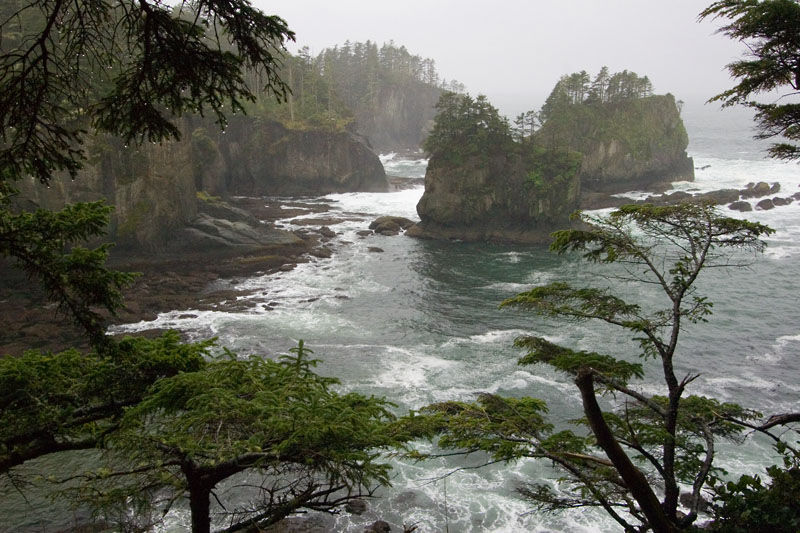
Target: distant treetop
(327, 88)
(579, 88)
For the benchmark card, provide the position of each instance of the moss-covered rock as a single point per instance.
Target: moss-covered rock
(521, 191)
(500, 197)
(639, 143)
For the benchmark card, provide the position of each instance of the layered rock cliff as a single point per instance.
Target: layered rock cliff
(154, 187)
(639, 143)
(265, 158)
(398, 118)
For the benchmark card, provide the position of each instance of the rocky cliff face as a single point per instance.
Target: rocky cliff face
(493, 198)
(154, 188)
(530, 190)
(633, 144)
(398, 118)
(272, 160)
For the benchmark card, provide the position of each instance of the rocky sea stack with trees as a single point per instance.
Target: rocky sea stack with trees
(490, 180)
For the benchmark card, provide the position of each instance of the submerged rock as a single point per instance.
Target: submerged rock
(322, 252)
(356, 507)
(378, 526)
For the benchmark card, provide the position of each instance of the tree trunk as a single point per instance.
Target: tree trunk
(632, 476)
(200, 505)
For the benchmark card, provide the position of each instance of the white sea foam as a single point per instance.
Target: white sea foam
(784, 345)
(501, 336)
(401, 203)
(385, 158)
(511, 288)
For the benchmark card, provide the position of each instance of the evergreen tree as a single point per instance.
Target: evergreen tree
(641, 454)
(311, 447)
(464, 126)
(771, 31)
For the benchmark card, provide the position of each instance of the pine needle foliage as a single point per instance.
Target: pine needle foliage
(305, 445)
(70, 400)
(771, 31)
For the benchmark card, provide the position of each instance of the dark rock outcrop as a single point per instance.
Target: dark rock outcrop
(155, 188)
(492, 198)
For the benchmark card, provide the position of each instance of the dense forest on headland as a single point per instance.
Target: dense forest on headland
(339, 81)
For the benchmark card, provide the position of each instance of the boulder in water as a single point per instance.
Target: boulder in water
(720, 197)
(323, 252)
(778, 201)
(378, 526)
(741, 205)
(390, 223)
(356, 507)
(756, 190)
(765, 204)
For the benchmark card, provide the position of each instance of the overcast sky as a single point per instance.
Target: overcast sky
(514, 51)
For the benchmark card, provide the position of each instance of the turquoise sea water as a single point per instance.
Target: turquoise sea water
(420, 323)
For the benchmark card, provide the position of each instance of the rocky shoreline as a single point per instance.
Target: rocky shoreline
(765, 195)
(274, 235)
(176, 279)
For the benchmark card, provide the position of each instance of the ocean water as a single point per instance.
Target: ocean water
(419, 323)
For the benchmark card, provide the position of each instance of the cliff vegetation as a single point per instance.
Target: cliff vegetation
(383, 92)
(630, 138)
(485, 182)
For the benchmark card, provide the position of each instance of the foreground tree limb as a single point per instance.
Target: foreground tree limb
(634, 479)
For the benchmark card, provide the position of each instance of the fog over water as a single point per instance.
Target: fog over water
(514, 51)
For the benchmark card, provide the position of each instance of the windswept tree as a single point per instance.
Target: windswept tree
(643, 453)
(771, 31)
